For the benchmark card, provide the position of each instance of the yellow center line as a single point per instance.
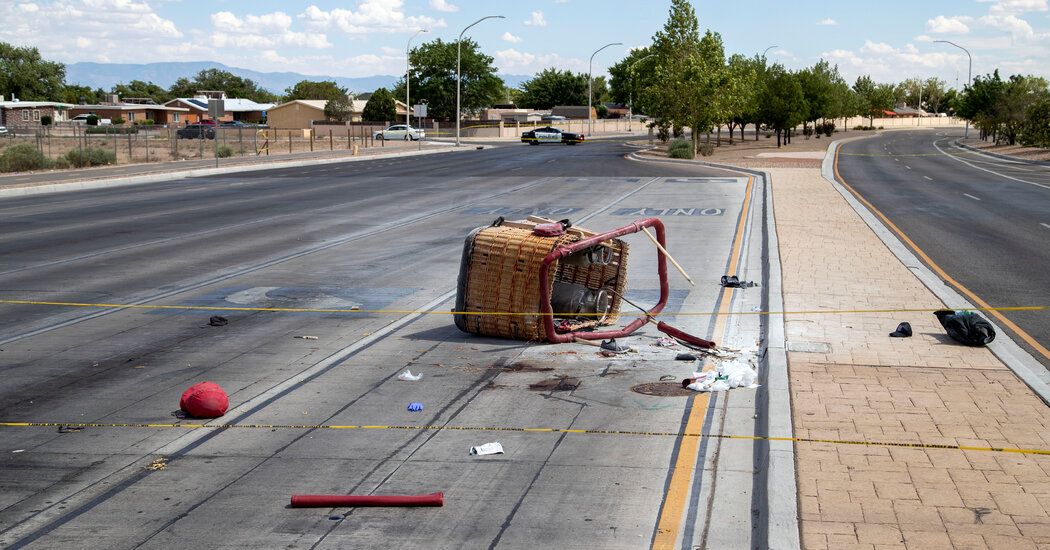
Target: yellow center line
(976, 299)
(681, 478)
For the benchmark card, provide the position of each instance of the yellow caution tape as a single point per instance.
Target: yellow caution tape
(538, 314)
(80, 425)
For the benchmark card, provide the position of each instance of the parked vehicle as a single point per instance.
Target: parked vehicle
(554, 118)
(196, 131)
(549, 134)
(83, 118)
(3, 130)
(400, 132)
(232, 123)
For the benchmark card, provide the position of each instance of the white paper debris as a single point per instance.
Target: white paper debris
(407, 375)
(728, 374)
(493, 448)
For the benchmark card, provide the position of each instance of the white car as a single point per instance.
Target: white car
(400, 132)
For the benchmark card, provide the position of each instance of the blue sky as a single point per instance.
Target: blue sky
(889, 40)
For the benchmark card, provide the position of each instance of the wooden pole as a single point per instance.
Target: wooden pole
(668, 255)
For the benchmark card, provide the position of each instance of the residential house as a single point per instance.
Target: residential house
(28, 113)
(244, 110)
(301, 113)
(580, 112)
(146, 109)
(617, 110)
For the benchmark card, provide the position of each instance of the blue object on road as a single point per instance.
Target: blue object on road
(415, 406)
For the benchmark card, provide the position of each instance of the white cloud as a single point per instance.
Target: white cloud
(29, 8)
(537, 20)
(828, 21)
(1005, 7)
(371, 16)
(514, 62)
(1019, 29)
(507, 37)
(261, 32)
(877, 48)
(441, 5)
(948, 25)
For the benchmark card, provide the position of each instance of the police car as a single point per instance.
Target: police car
(550, 134)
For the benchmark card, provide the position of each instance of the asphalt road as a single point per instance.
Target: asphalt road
(985, 221)
(383, 234)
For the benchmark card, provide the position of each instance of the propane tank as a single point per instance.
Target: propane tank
(577, 301)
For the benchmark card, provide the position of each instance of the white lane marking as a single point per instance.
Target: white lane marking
(928, 177)
(1046, 225)
(971, 196)
(972, 165)
(908, 167)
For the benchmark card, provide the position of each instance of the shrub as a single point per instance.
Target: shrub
(224, 151)
(678, 131)
(90, 156)
(22, 157)
(807, 131)
(61, 163)
(707, 149)
(92, 120)
(117, 120)
(663, 134)
(680, 149)
(143, 122)
(829, 128)
(112, 130)
(45, 120)
(769, 135)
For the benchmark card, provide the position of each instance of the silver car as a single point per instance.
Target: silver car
(400, 132)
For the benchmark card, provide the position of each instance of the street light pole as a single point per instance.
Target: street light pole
(969, 75)
(766, 50)
(590, 79)
(458, 75)
(630, 93)
(408, 78)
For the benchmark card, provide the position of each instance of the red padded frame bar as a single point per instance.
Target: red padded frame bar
(569, 248)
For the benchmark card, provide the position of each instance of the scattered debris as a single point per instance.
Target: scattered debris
(667, 378)
(415, 406)
(685, 357)
(18, 451)
(666, 342)
(307, 337)
(407, 375)
(903, 330)
(159, 464)
(732, 281)
(69, 429)
(217, 321)
(493, 448)
(594, 343)
(204, 400)
(729, 374)
(612, 346)
(966, 327)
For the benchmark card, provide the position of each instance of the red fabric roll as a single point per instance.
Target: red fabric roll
(433, 499)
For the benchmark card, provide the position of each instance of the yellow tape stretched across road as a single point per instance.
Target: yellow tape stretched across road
(555, 314)
(81, 425)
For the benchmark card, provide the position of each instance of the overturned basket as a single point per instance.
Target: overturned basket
(506, 284)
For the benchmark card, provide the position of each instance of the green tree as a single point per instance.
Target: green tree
(978, 103)
(27, 76)
(1019, 93)
(72, 93)
(434, 78)
(309, 89)
(873, 98)
(339, 108)
(380, 107)
(630, 76)
(933, 93)
(138, 88)
(1035, 132)
(743, 75)
(783, 105)
(215, 79)
(818, 88)
(552, 87)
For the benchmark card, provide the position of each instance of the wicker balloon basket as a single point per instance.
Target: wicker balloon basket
(509, 275)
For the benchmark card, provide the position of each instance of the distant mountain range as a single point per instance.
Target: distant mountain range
(106, 75)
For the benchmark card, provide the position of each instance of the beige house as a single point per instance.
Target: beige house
(301, 113)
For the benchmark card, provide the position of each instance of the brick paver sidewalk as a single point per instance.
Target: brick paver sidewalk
(870, 387)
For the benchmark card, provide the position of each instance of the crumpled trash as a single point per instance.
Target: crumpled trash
(407, 375)
(666, 342)
(966, 327)
(493, 448)
(732, 281)
(415, 406)
(903, 330)
(728, 375)
(217, 321)
(685, 357)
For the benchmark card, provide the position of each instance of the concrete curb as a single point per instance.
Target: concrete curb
(1012, 355)
(201, 172)
(781, 489)
(961, 145)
